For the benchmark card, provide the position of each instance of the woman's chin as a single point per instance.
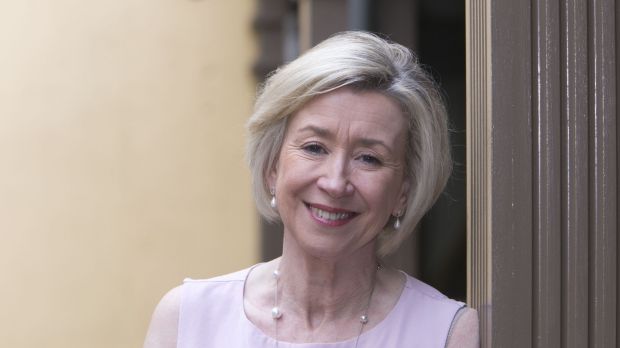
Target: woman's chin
(326, 247)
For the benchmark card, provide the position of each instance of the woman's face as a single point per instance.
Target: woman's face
(340, 172)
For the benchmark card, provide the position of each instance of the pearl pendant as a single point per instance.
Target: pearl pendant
(397, 223)
(364, 319)
(273, 202)
(275, 313)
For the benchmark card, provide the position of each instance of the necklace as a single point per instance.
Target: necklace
(276, 313)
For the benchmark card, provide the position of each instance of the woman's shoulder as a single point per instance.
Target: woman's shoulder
(465, 329)
(162, 331)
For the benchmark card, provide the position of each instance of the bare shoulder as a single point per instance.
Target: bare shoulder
(163, 329)
(464, 332)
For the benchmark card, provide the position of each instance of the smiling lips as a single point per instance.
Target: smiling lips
(330, 216)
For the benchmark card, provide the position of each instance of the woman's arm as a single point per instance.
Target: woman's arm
(464, 333)
(163, 329)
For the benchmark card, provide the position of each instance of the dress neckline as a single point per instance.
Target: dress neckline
(257, 331)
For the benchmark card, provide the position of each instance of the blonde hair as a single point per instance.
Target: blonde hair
(368, 62)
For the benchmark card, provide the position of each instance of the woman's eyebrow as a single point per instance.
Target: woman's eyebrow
(370, 142)
(323, 132)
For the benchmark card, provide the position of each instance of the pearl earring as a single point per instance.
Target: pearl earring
(397, 222)
(273, 198)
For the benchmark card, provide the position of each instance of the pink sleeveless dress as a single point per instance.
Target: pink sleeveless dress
(212, 316)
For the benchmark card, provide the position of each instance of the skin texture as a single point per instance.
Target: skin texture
(343, 152)
(337, 181)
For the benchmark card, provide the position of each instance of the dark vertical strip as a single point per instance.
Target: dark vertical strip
(399, 20)
(602, 174)
(617, 156)
(327, 17)
(575, 174)
(267, 24)
(511, 173)
(546, 161)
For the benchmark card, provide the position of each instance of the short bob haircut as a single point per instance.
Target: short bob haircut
(365, 62)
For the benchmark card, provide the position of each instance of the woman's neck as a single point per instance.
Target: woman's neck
(320, 290)
(321, 300)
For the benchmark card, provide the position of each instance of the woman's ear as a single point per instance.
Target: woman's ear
(402, 199)
(272, 176)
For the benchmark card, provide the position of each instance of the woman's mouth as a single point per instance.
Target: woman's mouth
(330, 216)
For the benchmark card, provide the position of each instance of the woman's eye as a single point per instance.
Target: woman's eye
(370, 160)
(314, 149)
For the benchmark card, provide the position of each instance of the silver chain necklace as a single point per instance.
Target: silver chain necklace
(276, 313)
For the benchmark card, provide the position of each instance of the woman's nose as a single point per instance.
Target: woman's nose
(335, 179)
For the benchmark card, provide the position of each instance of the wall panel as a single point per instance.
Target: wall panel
(546, 119)
(602, 174)
(574, 176)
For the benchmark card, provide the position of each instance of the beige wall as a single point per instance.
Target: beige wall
(121, 161)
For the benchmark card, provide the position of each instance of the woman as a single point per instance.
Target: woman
(348, 147)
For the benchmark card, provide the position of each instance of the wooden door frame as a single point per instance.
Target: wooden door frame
(542, 171)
